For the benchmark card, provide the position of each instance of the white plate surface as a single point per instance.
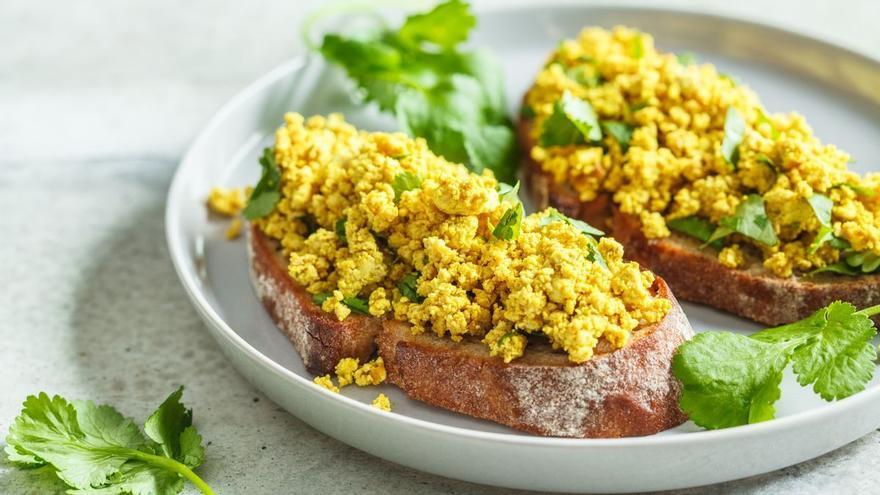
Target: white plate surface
(837, 90)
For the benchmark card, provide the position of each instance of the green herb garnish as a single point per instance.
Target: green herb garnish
(620, 131)
(267, 192)
(509, 226)
(636, 47)
(730, 379)
(589, 79)
(404, 181)
(686, 58)
(408, 286)
(572, 122)
(750, 220)
(860, 190)
(594, 255)
(696, 227)
(451, 97)
(821, 206)
(762, 118)
(95, 449)
(734, 130)
(340, 230)
(356, 304)
(527, 112)
(506, 192)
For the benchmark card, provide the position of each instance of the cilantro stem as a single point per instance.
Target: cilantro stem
(869, 311)
(177, 467)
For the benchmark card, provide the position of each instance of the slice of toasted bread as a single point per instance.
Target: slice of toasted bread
(695, 274)
(625, 392)
(319, 337)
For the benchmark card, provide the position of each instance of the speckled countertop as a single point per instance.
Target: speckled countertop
(98, 100)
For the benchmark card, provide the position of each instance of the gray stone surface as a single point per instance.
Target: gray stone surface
(98, 100)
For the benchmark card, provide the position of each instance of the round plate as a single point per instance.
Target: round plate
(839, 93)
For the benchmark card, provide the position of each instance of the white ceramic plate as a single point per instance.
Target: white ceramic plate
(836, 89)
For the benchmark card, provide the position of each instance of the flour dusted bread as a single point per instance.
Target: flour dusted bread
(694, 273)
(319, 337)
(625, 392)
(617, 393)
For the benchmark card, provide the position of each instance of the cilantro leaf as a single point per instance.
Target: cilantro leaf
(553, 215)
(506, 192)
(339, 227)
(694, 226)
(356, 304)
(94, 449)
(408, 286)
(167, 426)
(573, 120)
(728, 379)
(860, 190)
(509, 226)
(840, 268)
(636, 47)
(267, 192)
(320, 297)
(590, 79)
(821, 206)
(447, 25)
(686, 58)
(834, 351)
(404, 181)
(620, 131)
(762, 118)
(452, 98)
(750, 220)
(734, 130)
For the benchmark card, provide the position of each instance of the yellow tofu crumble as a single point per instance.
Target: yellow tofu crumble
(675, 166)
(227, 202)
(351, 237)
(326, 382)
(382, 402)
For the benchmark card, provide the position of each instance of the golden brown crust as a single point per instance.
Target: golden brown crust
(627, 392)
(319, 337)
(696, 274)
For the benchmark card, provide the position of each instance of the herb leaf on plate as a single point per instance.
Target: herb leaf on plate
(730, 379)
(452, 98)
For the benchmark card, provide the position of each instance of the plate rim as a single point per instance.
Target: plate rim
(179, 257)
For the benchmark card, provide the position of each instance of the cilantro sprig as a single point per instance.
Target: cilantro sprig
(750, 219)
(573, 121)
(730, 379)
(267, 192)
(510, 224)
(451, 97)
(588, 230)
(734, 131)
(356, 304)
(95, 449)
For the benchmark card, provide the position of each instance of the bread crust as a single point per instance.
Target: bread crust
(627, 392)
(618, 393)
(695, 274)
(319, 337)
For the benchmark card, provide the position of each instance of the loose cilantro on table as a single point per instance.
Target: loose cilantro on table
(267, 192)
(750, 220)
(734, 130)
(509, 226)
(95, 449)
(573, 121)
(730, 379)
(452, 98)
(404, 181)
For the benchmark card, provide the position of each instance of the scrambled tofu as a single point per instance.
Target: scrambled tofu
(226, 202)
(377, 224)
(675, 166)
(382, 402)
(326, 382)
